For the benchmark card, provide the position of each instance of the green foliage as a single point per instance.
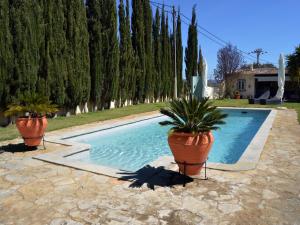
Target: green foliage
(77, 38)
(6, 53)
(157, 52)
(200, 63)
(149, 85)
(179, 56)
(169, 78)
(191, 52)
(68, 51)
(164, 55)
(32, 104)
(25, 29)
(138, 42)
(192, 116)
(126, 90)
(293, 65)
(95, 47)
(52, 74)
(110, 48)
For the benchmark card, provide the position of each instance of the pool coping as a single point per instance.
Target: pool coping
(247, 161)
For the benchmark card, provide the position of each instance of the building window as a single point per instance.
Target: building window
(241, 85)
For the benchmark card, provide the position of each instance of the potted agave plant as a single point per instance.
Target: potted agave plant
(31, 111)
(190, 137)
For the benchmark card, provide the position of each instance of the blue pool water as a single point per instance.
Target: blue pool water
(132, 146)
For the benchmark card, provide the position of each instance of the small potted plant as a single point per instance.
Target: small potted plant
(31, 111)
(237, 95)
(190, 137)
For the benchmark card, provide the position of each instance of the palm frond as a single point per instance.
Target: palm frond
(33, 104)
(193, 116)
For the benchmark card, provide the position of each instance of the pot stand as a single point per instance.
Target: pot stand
(43, 137)
(192, 164)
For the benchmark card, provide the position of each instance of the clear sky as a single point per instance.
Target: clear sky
(273, 25)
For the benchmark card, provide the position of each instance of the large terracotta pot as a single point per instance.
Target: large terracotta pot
(191, 149)
(32, 129)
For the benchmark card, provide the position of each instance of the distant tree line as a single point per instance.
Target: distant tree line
(76, 51)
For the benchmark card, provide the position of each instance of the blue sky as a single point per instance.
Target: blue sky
(273, 25)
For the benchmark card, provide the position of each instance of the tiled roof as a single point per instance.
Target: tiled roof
(260, 71)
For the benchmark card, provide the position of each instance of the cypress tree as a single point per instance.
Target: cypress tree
(172, 65)
(126, 54)
(200, 63)
(25, 29)
(157, 55)
(139, 48)
(148, 50)
(58, 50)
(168, 65)
(78, 82)
(52, 72)
(179, 55)
(82, 56)
(164, 62)
(110, 52)
(44, 48)
(95, 47)
(191, 51)
(6, 54)
(131, 60)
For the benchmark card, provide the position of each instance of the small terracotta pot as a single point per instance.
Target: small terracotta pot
(191, 149)
(237, 96)
(32, 129)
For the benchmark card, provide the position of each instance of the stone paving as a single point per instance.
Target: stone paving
(34, 192)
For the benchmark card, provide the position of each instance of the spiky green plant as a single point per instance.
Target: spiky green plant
(193, 116)
(31, 105)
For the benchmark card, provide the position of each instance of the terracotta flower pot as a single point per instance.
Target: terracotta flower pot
(191, 149)
(32, 129)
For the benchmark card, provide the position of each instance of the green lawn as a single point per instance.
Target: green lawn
(244, 103)
(11, 132)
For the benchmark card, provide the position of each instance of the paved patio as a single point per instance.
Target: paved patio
(35, 192)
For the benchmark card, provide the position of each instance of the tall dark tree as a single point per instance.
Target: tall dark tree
(58, 47)
(138, 43)
(157, 56)
(168, 50)
(110, 48)
(149, 92)
(78, 83)
(6, 54)
(191, 51)
(25, 29)
(164, 55)
(200, 63)
(293, 65)
(126, 54)
(179, 55)
(130, 58)
(95, 47)
(52, 74)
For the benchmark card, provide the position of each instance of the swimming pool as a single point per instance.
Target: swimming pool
(132, 146)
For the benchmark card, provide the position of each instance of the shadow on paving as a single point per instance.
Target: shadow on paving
(155, 176)
(20, 147)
